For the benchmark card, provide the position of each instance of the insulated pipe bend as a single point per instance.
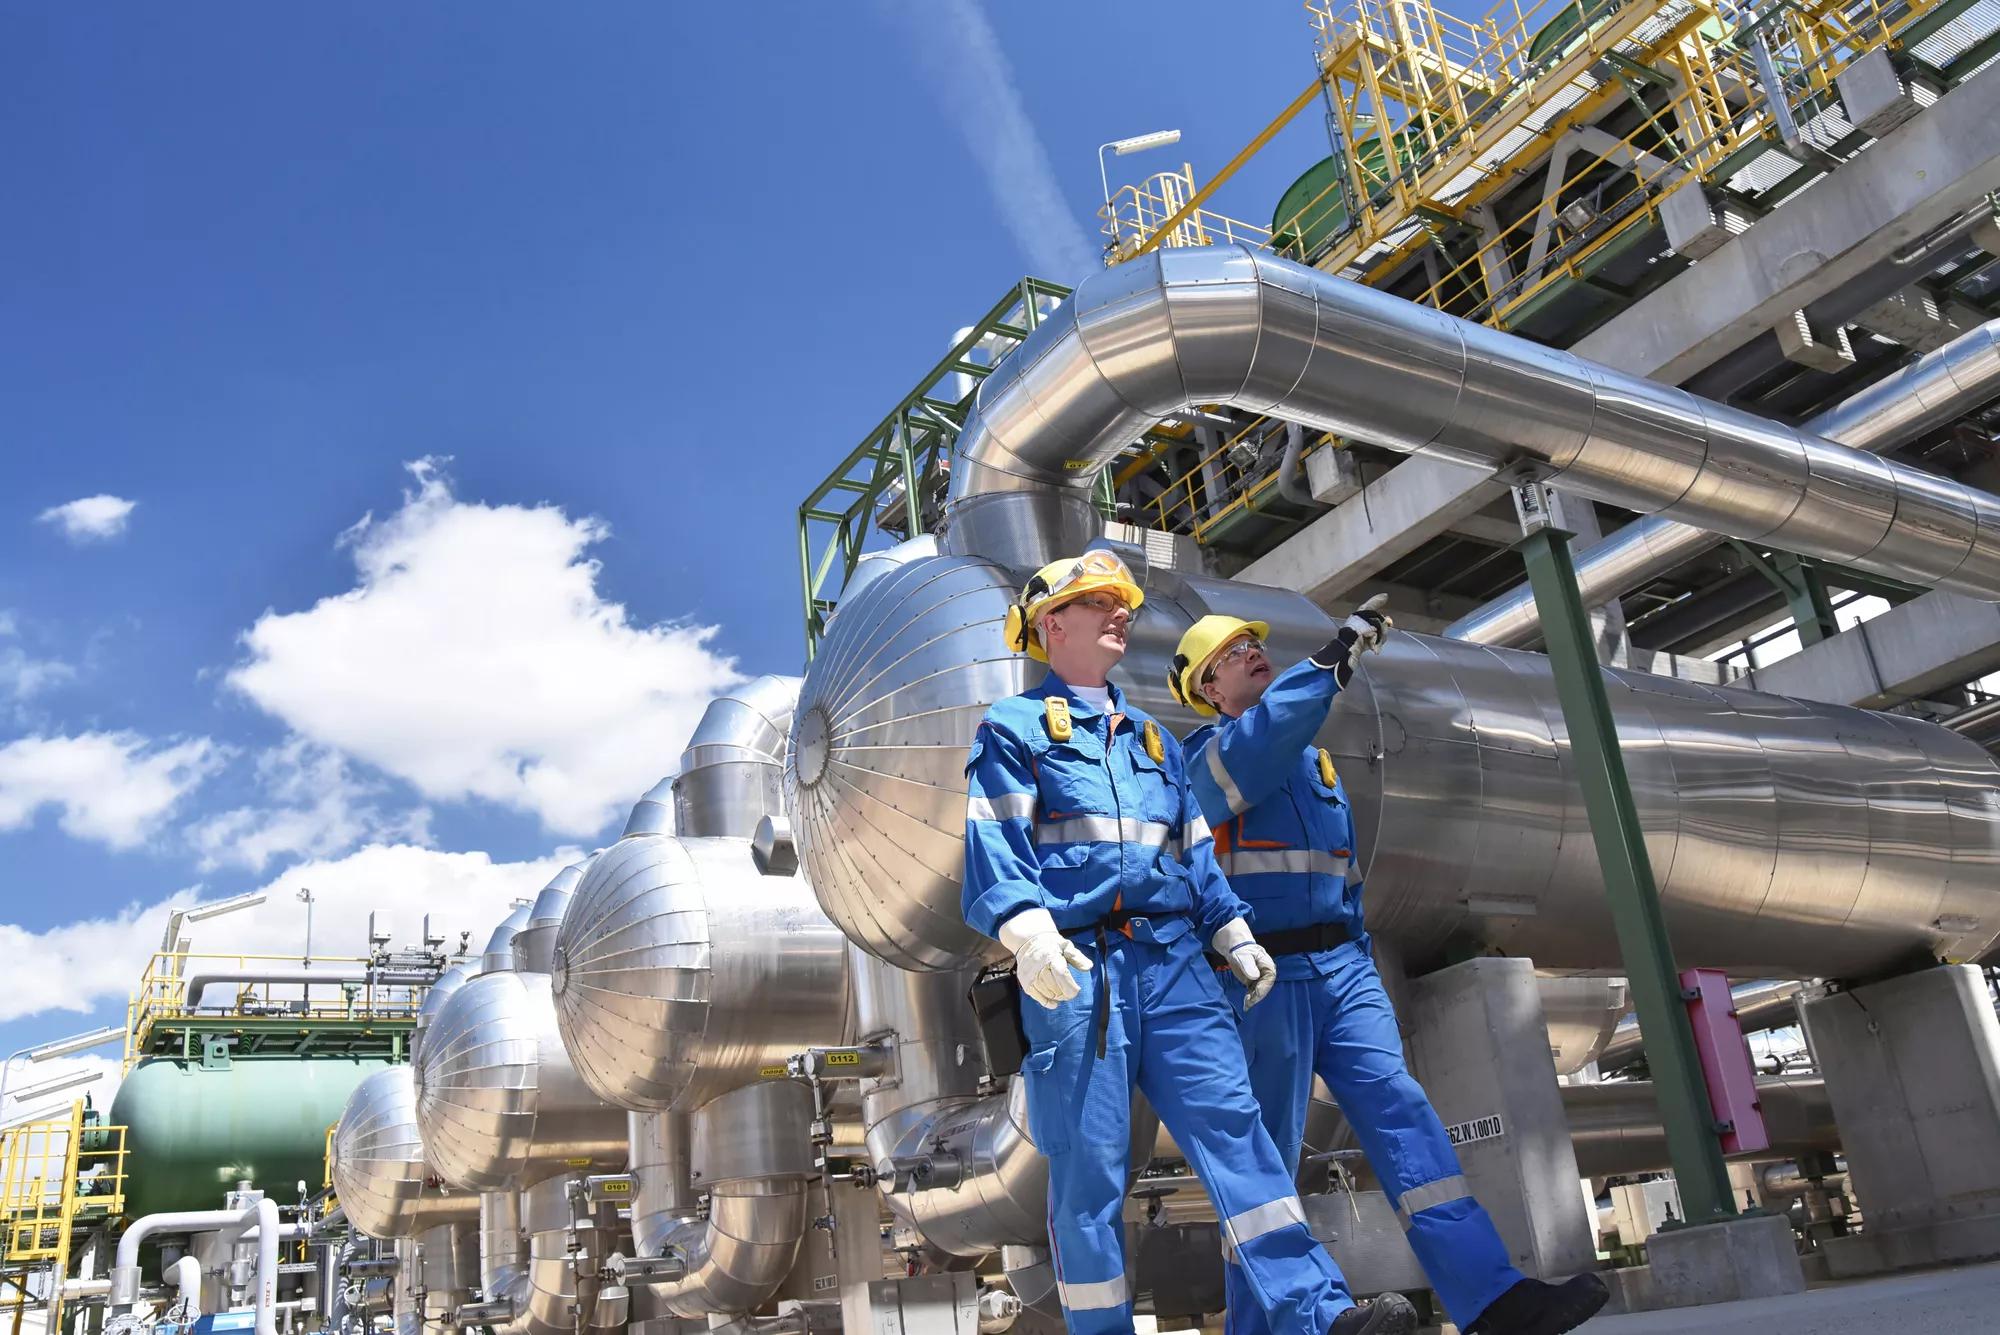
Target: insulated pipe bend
(753, 1147)
(261, 1215)
(1229, 325)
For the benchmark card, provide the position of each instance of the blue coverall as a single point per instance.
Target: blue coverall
(1284, 838)
(1094, 827)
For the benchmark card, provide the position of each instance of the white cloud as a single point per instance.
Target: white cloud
(91, 518)
(79, 965)
(475, 658)
(22, 674)
(319, 808)
(969, 74)
(113, 787)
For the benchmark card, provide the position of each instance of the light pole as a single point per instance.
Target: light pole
(1138, 143)
(61, 1047)
(305, 897)
(55, 1086)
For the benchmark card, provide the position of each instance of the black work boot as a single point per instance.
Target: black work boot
(1533, 1307)
(1390, 1314)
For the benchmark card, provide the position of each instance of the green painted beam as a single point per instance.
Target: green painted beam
(1634, 898)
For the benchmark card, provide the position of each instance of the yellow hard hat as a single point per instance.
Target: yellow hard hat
(1061, 582)
(1204, 640)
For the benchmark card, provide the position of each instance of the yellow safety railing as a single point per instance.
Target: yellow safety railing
(51, 1173)
(1222, 483)
(163, 994)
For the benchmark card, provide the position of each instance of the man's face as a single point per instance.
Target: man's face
(1085, 637)
(1237, 676)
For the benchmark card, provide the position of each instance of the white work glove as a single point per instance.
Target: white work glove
(1043, 957)
(1250, 962)
(1362, 632)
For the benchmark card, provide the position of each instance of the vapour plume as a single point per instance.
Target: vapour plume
(968, 72)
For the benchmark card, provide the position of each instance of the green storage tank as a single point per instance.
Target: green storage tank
(1312, 210)
(194, 1131)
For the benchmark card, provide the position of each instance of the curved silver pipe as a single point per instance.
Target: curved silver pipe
(498, 957)
(261, 1215)
(1229, 325)
(535, 942)
(406, 1313)
(732, 772)
(1940, 385)
(753, 1148)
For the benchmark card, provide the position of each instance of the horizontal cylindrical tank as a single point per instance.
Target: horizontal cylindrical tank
(1789, 838)
(193, 1131)
(379, 1171)
(682, 971)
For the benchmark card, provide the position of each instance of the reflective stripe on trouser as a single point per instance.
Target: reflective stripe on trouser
(1104, 830)
(1170, 1032)
(1342, 1026)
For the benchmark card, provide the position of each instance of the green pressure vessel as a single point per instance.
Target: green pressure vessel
(194, 1132)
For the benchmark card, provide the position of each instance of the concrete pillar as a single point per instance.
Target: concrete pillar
(1479, 1043)
(1912, 1067)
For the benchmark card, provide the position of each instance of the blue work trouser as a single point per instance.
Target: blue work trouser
(1341, 1026)
(1169, 1030)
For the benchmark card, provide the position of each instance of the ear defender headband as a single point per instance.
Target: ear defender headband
(1174, 671)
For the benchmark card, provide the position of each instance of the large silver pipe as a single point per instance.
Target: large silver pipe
(1791, 839)
(448, 1268)
(1231, 325)
(960, 1169)
(1616, 1126)
(1939, 386)
(454, 977)
(752, 1151)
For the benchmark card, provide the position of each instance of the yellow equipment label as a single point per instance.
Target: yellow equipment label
(771, 1072)
(577, 1163)
(616, 1188)
(843, 1059)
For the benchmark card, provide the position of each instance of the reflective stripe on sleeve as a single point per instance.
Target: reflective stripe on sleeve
(1253, 861)
(1007, 806)
(1103, 830)
(1217, 771)
(1196, 831)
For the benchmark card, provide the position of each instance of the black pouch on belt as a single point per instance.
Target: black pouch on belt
(996, 1000)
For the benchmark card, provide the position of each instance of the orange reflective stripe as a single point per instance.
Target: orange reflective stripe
(1262, 843)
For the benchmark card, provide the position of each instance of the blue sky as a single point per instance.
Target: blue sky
(632, 278)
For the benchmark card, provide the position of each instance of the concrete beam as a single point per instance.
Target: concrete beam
(1922, 174)
(1391, 517)
(1928, 644)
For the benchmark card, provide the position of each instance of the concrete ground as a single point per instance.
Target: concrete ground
(1935, 1302)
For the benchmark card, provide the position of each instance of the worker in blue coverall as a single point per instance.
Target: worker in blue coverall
(1285, 839)
(1085, 852)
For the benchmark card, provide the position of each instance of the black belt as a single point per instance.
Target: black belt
(1297, 941)
(1116, 921)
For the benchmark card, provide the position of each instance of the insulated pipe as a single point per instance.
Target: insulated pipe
(1934, 389)
(535, 942)
(202, 978)
(1229, 325)
(503, 1262)
(1616, 1129)
(185, 1276)
(753, 1149)
(960, 1169)
(262, 1216)
(1759, 1006)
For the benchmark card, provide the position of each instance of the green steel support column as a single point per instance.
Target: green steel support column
(1692, 1144)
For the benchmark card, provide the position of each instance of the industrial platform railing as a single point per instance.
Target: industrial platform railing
(349, 994)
